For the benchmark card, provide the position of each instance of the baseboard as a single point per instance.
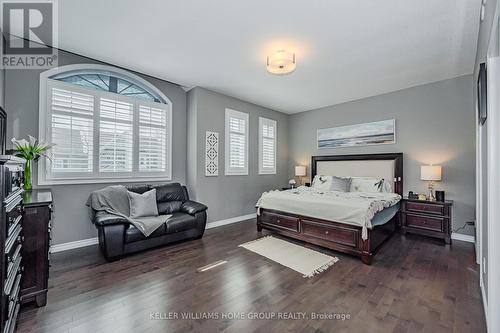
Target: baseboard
(73, 245)
(220, 223)
(92, 241)
(464, 238)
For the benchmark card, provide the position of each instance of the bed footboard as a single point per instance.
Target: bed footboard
(333, 235)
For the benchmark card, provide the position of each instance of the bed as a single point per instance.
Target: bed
(330, 219)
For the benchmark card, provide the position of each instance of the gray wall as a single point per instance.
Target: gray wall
(71, 221)
(192, 135)
(434, 124)
(230, 196)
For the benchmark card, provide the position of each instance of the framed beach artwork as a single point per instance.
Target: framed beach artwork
(376, 133)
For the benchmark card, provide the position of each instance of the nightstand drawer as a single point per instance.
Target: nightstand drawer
(425, 208)
(424, 222)
(280, 221)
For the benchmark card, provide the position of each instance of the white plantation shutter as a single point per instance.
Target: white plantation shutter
(267, 146)
(115, 135)
(236, 143)
(100, 136)
(71, 131)
(152, 139)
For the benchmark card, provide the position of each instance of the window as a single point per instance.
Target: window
(100, 135)
(236, 143)
(106, 82)
(267, 146)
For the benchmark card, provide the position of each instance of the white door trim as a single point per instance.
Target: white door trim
(493, 262)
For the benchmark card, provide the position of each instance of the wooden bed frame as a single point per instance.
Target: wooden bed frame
(335, 235)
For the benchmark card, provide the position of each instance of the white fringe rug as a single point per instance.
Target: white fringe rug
(303, 260)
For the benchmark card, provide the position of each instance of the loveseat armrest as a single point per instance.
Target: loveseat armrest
(192, 207)
(104, 218)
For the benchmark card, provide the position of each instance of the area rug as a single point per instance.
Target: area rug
(303, 260)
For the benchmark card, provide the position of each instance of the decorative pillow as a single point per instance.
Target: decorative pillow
(368, 184)
(341, 184)
(322, 183)
(142, 205)
(387, 187)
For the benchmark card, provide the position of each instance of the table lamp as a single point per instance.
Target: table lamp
(300, 171)
(430, 173)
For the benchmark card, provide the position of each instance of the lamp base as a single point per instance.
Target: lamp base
(431, 196)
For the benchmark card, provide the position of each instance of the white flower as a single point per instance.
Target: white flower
(33, 140)
(21, 143)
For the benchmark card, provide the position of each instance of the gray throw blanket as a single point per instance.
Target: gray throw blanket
(114, 200)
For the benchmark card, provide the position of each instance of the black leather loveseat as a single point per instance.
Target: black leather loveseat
(118, 237)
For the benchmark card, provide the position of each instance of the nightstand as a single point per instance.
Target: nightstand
(428, 218)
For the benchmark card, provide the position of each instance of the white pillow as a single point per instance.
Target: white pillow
(142, 205)
(369, 184)
(322, 183)
(341, 184)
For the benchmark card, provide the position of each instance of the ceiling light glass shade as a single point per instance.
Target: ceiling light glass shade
(281, 62)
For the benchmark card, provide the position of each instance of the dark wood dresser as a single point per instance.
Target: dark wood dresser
(428, 218)
(36, 228)
(11, 239)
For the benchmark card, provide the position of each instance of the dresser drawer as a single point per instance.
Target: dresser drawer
(280, 221)
(333, 233)
(425, 208)
(424, 222)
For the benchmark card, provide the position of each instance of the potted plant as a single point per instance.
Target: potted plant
(31, 150)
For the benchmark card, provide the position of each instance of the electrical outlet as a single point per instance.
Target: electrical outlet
(484, 265)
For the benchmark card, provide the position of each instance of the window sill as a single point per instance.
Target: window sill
(102, 181)
(267, 172)
(236, 174)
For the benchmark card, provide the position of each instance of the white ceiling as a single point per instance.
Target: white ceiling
(346, 50)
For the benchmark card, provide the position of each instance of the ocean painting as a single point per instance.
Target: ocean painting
(376, 133)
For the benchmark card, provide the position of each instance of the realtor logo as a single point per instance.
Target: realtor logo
(30, 34)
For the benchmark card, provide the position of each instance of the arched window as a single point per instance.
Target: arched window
(106, 125)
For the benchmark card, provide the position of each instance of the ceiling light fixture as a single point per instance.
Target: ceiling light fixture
(281, 62)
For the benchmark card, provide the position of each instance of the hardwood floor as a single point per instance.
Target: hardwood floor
(414, 285)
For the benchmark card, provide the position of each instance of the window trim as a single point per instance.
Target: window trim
(241, 115)
(262, 170)
(43, 123)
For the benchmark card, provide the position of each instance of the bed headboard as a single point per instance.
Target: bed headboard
(387, 166)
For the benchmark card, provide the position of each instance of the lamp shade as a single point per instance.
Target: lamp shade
(430, 172)
(300, 171)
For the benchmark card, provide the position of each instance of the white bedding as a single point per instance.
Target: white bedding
(355, 208)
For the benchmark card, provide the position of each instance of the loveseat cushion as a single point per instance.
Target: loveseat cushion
(180, 222)
(170, 192)
(192, 207)
(132, 234)
(169, 207)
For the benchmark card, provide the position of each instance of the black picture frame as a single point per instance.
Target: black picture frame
(482, 97)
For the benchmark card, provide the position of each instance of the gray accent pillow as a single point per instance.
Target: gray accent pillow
(341, 184)
(142, 205)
